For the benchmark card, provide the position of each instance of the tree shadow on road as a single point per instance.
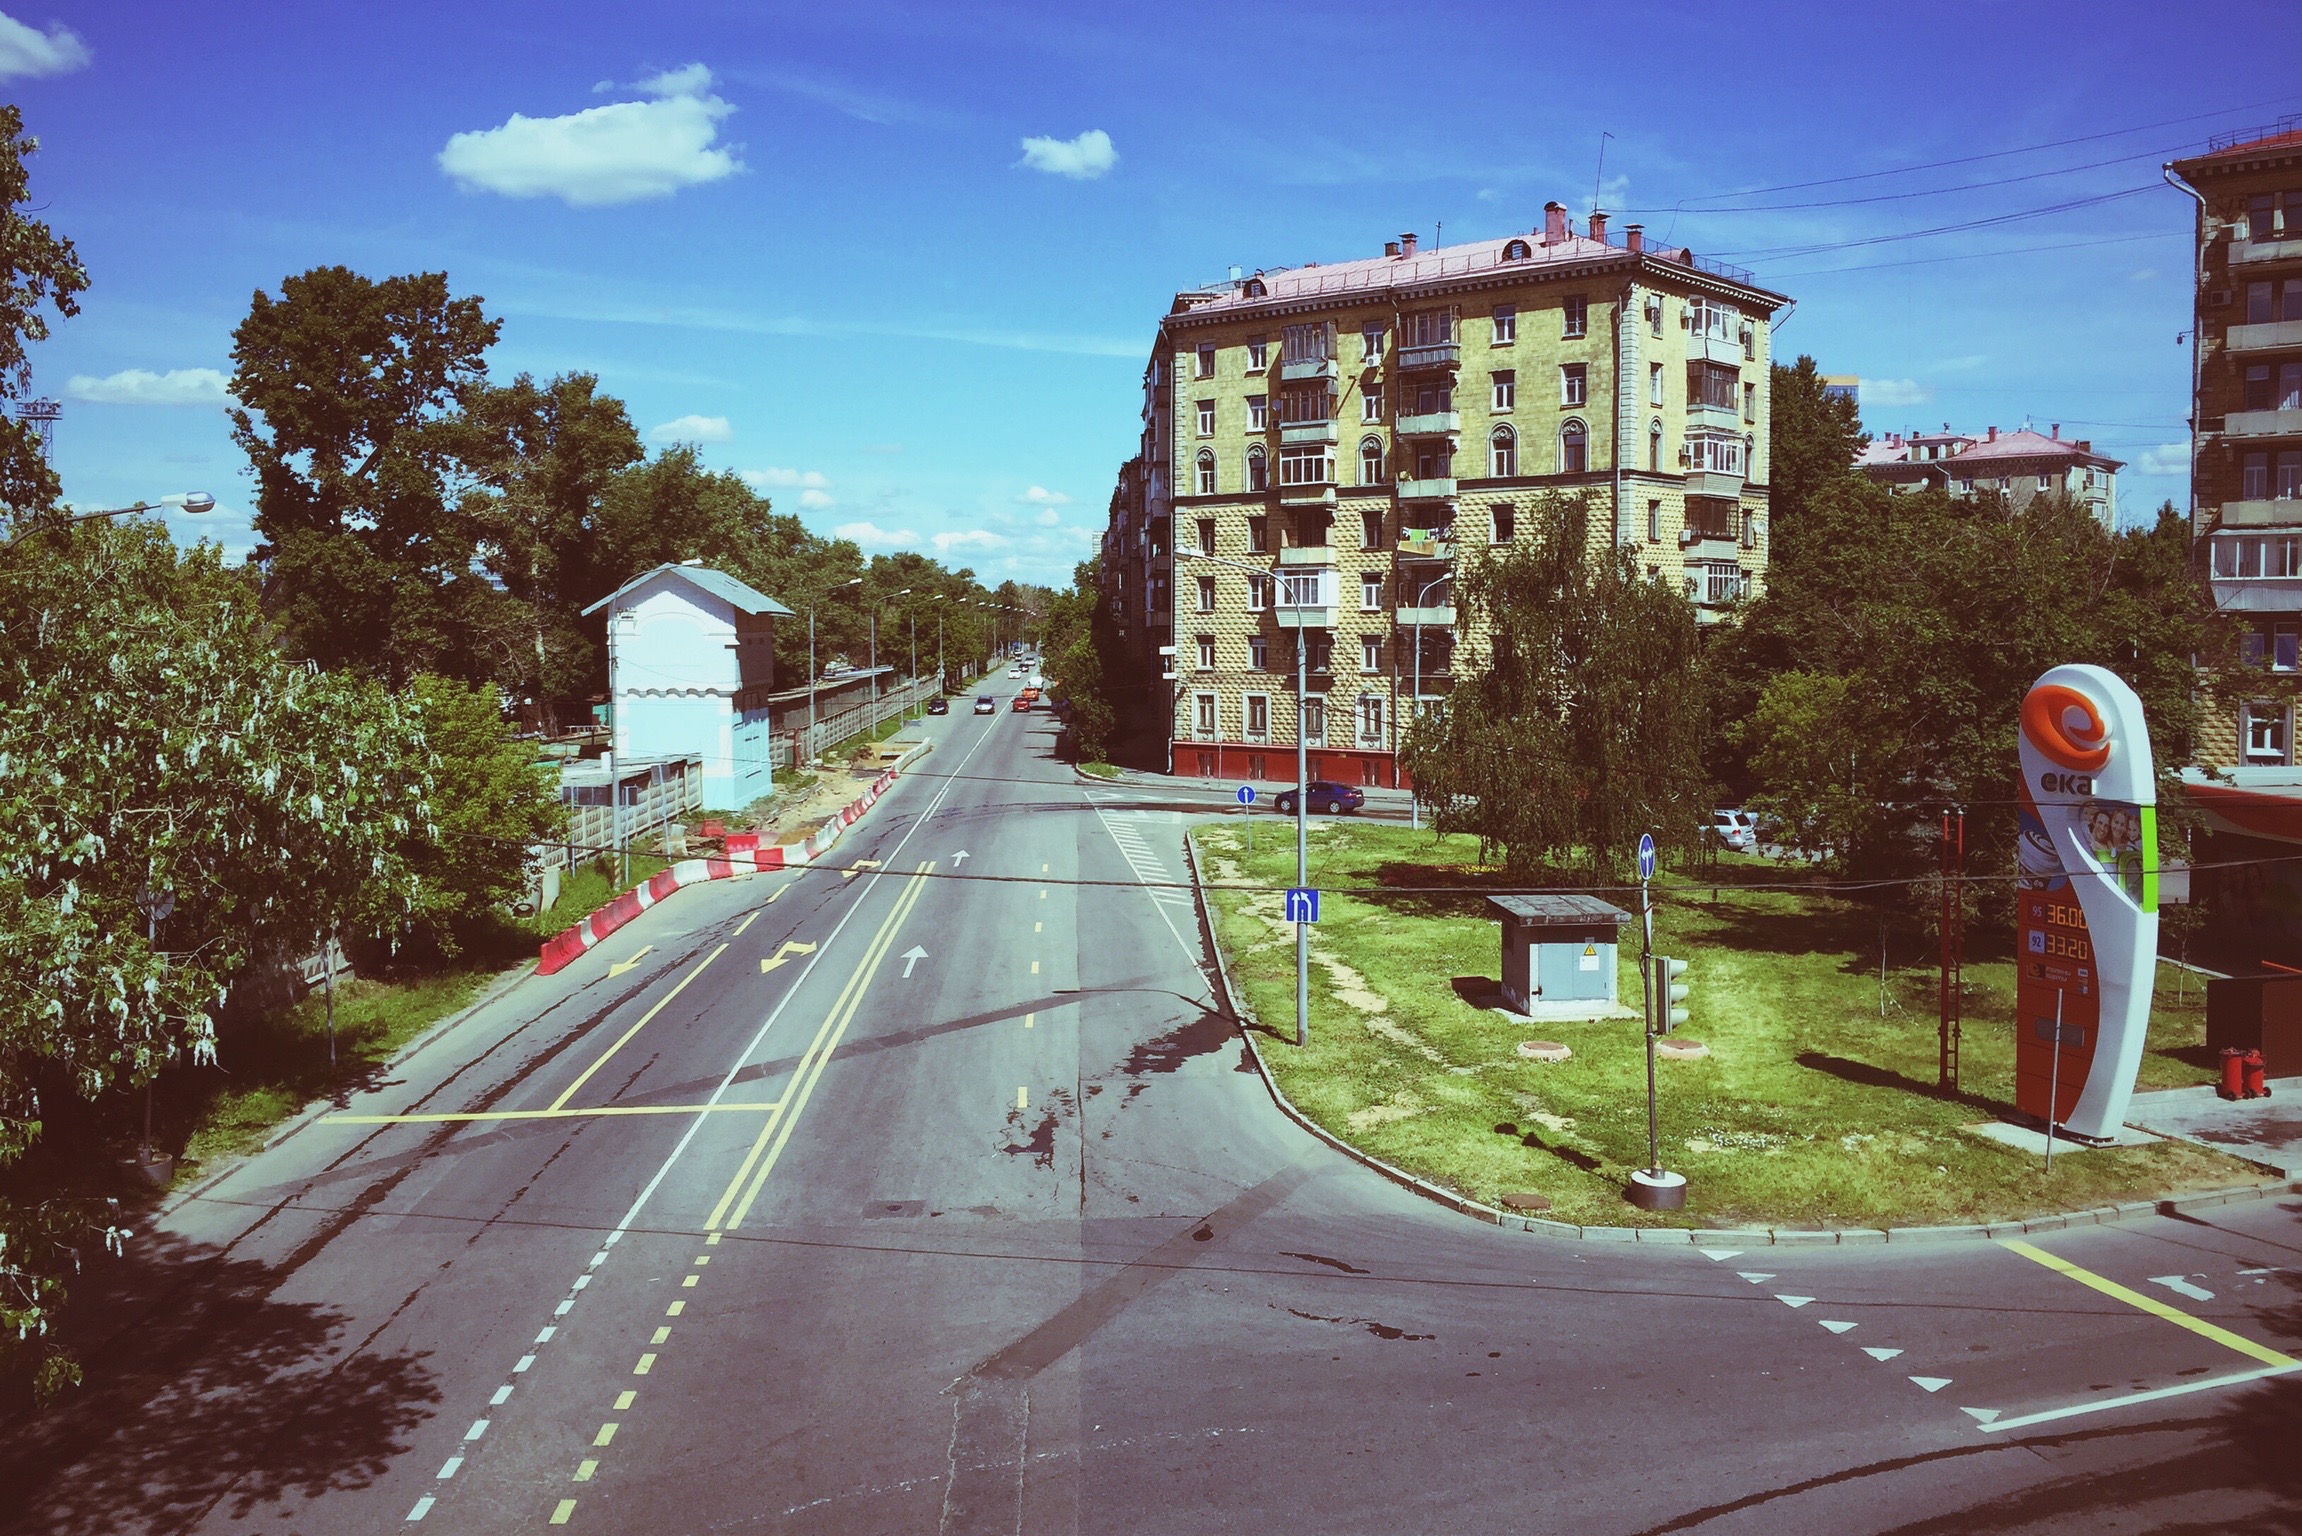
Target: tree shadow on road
(218, 1397)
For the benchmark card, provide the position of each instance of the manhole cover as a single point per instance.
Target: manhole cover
(1527, 1200)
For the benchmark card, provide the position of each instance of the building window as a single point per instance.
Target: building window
(1573, 383)
(2254, 392)
(2286, 649)
(1429, 328)
(2045, 482)
(1258, 413)
(1371, 461)
(1506, 389)
(1370, 653)
(1258, 534)
(1750, 402)
(1315, 721)
(1371, 344)
(1749, 343)
(1503, 453)
(1713, 384)
(1258, 353)
(1258, 469)
(1258, 713)
(1206, 535)
(1203, 716)
(2262, 732)
(1655, 313)
(1575, 316)
(1206, 653)
(1710, 320)
(1206, 594)
(1505, 523)
(1206, 472)
(1206, 360)
(1370, 592)
(1259, 652)
(1506, 324)
(1574, 455)
(1434, 460)
(1306, 466)
(1655, 446)
(1654, 383)
(1371, 529)
(1654, 522)
(1371, 403)
(1370, 719)
(1312, 342)
(1322, 653)
(2289, 480)
(1258, 593)
(2289, 397)
(1206, 418)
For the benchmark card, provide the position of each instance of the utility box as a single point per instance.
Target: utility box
(1559, 955)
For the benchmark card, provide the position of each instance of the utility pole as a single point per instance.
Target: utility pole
(1302, 843)
(1953, 925)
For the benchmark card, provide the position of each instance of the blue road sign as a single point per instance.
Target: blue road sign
(1302, 904)
(1646, 856)
(1246, 794)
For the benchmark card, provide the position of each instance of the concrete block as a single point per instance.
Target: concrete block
(1611, 1234)
(1861, 1235)
(1804, 1237)
(2132, 1208)
(1933, 1234)
(1681, 1237)
(1543, 1227)
(2046, 1223)
(2004, 1229)
(2206, 1201)
(1733, 1237)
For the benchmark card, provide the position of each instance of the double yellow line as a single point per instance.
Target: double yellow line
(760, 1161)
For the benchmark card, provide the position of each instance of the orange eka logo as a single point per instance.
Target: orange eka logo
(2063, 724)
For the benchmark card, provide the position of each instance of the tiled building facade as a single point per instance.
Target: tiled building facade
(1336, 438)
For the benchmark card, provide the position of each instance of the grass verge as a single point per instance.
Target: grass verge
(1816, 1108)
(1099, 770)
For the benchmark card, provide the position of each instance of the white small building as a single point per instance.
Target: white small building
(690, 663)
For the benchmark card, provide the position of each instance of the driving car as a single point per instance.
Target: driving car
(1327, 798)
(1014, 671)
(939, 705)
(1023, 702)
(1732, 831)
(985, 704)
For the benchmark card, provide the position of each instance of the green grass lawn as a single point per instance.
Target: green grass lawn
(1099, 770)
(1815, 1108)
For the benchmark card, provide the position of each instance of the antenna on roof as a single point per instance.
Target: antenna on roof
(1600, 179)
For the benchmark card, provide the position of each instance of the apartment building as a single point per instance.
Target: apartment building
(1321, 445)
(2016, 465)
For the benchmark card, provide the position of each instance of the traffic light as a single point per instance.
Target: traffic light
(1668, 993)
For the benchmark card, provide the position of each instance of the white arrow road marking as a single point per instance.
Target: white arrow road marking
(912, 957)
(1930, 1383)
(790, 948)
(1834, 1327)
(1793, 1301)
(1717, 1255)
(959, 858)
(1753, 1276)
(1876, 1353)
(2182, 1287)
(1984, 1415)
(622, 966)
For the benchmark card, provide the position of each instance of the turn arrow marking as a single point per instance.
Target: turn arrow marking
(1985, 1415)
(857, 868)
(1719, 1255)
(790, 948)
(912, 957)
(622, 966)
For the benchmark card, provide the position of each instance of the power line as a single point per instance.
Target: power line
(2020, 250)
(1895, 197)
(1991, 221)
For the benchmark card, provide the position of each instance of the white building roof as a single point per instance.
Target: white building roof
(719, 584)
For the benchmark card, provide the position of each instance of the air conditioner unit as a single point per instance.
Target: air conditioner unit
(2219, 299)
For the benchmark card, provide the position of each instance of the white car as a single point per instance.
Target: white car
(1733, 830)
(1035, 681)
(1014, 671)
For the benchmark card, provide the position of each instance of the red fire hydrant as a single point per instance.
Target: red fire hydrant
(2257, 1076)
(2233, 1084)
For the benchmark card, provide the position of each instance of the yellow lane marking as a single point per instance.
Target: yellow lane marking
(1023, 1098)
(708, 1242)
(2152, 1305)
(1038, 927)
(748, 919)
(624, 1400)
(561, 1514)
(675, 1309)
(812, 1063)
(622, 966)
(548, 1114)
(691, 1279)
(779, 890)
(585, 1468)
(605, 1435)
(561, 1101)
(857, 868)
(783, 956)
(1027, 1018)
(1034, 967)
(646, 1364)
(1043, 870)
(1042, 895)
(704, 1258)
(662, 1336)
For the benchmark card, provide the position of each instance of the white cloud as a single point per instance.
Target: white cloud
(1971, 360)
(2142, 274)
(815, 500)
(620, 153)
(1049, 517)
(813, 478)
(136, 386)
(1895, 392)
(29, 55)
(2165, 459)
(872, 533)
(964, 538)
(1614, 192)
(1041, 496)
(692, 429)
(1082, 159)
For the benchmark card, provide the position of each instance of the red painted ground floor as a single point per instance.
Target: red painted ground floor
(1252, 762)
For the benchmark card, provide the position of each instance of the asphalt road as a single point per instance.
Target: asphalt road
(754, 1219)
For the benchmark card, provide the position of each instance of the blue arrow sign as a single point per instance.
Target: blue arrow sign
(1246, 794)
(1646, 856)
(1302, 904)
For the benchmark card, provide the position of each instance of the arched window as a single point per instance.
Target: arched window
(1371, 461)
(1255, 288)
(1574, 448)
(1206, 471)
(1503, 453)
(1655, 445)
(1517, 250)
(1258, 473)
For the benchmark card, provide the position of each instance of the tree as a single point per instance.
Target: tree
(1581, 726)
(38, 267)
(348, 393)
(1079, 638)
(1812, 442)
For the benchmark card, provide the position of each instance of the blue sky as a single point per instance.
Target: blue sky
(821, 239)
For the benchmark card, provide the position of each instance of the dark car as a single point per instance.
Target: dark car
(1326, 798)
(985, 704)
(939, 705)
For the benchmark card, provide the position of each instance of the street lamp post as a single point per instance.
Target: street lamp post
(1415, 806)
(1302, 799)
(191, 501)
(906, 592)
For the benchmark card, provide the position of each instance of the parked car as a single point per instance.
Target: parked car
(1733, 830)
(985, 704)
(1327, 798)
(1023, 702)
(939, 705)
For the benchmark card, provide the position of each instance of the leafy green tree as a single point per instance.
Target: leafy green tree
(1079, 637)
(1581, 726)
(38, 268)
(1812, 442)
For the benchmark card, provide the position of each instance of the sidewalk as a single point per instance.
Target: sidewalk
(2265, 1130)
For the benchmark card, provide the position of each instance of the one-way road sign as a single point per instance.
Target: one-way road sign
(1302, 904)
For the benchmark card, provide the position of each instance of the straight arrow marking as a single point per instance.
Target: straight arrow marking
(1793, 1301)
(1834, 1327)
(2174, 1283)
(622, 966)
(912, 957)
(959, 858)
(1876, 1353)
(790, 948)
(1930, 1383)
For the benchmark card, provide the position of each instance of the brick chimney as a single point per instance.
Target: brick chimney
(1554, 223)
(1407, 243)
(2085, 445)
(1390, 247)
(2056, 433)
(1993, 435)
(1634, 238)
(1599, 225)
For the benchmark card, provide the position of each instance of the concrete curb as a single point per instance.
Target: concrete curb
(1741, 1237)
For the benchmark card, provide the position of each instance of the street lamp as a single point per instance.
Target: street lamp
(1415, 806)
(1302, 802)
(814, 677)
(189, 501)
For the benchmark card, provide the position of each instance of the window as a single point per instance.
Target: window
(1306, 466)
(1434, 398)
(1505, 523)
(1258, 535)
(1203, 716)
(1371, 344)
(1715, 453)
(1315, 721)
(2258, 303)
(1206, 653)
(1574, 449)
(1259, 652)
(2289, 481)
(1434, 460)
(1258, 716)
(1655, 313)
(2254, 394)
(1371, 461)
(1258, 353)
(1655, 446)
(1370, 653)
(1302, 589)
(1574, 316)
(1371, 404)
(1713, 384)
(1206, 360)
(1370, 592)
(1750, 402)
(1313, 342)
(2286, 649)
(2263, 732)
(1206, 594)
(1654, 522)
(1258, 413)
(1322, 653)
(1654, 383)
(1206, 472)
(1428, 328)
(1506, 324)
(1517, 250)
(2289, 396)
(1712, 321)
(1206, 535)
(1506, 389)
(1306, 403)
(1371, 529)
(2045, 482)
(1573, 383)
(1258, 469)
(1206, 418)
(1370, 719)
(2259, 225)
(1503, 453)
(2257, 557)
(1258, 593)
(1749, 342)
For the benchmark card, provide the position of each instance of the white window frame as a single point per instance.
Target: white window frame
(1506, 390)
(1258, 353)
(1250, 705)
(1367, 475)
(1206, 360)
(1206, 717)
(1506, 324)
(1573, 425)
(1370, 592)
(1371, 343)
(2265, 721)
(1574, 385)
(1574, 317)
(1206, 653)
(1259, 653)
(1206, 478)
(1311, 727)
(1258, 469)
(1371, 404)
(1206, 594)
(1258, 593)
(1206, 418)
(1258, 413)
(1654, 383)
(1370, 718)
(1371, 654)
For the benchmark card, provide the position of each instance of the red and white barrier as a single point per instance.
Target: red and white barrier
(744, 856)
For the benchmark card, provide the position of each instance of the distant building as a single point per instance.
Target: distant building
(1842, 386)
(691, 662)
(2017, 465)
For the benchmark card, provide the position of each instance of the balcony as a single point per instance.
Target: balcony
(2285, 512)
(1712, 482)
(1718, 418)
(1427, 618)
(1307, 555)
(2264, 337)
(1320, 493)
(1435, 544)
(2286, 423)
(2246, 253)
(1436, 489)
(1715, 349)
(1429, 424)
(1430, 354)
(1292, 433)
(1302, 370)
